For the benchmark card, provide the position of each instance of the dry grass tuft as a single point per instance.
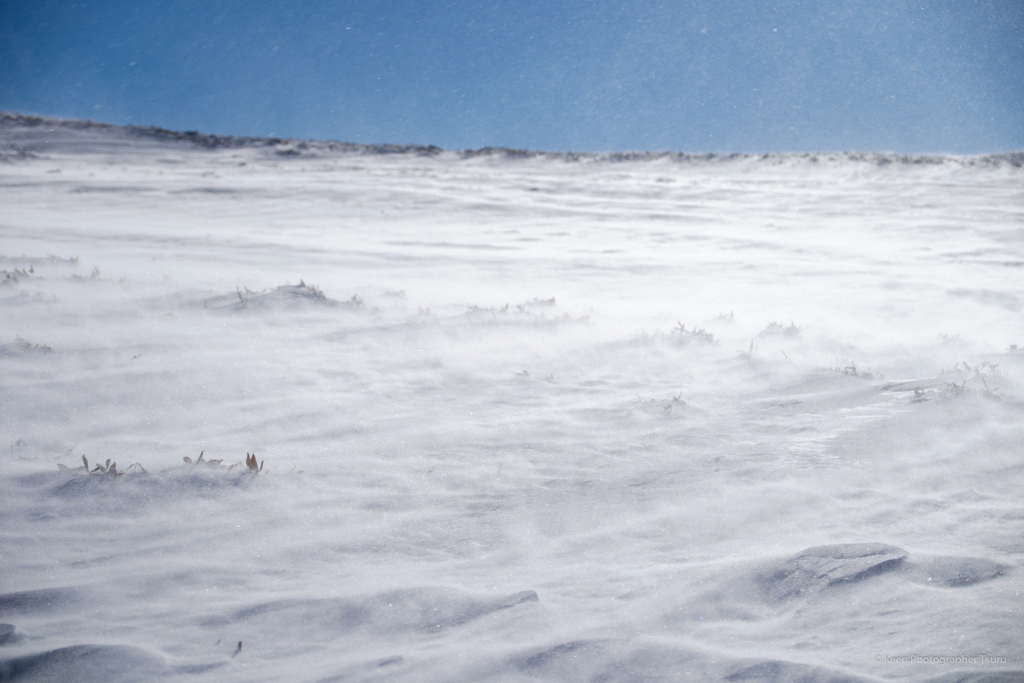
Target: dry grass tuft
(200, 461)
(695, 333)
(107, 469)
(250, 463)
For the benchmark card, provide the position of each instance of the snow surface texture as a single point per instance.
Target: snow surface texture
(522, 417)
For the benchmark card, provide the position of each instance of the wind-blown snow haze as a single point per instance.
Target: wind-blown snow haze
(308, 411)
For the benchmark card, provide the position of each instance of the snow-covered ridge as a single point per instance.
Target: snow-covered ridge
(31, 125)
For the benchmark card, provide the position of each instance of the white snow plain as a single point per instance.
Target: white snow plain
(522, 417)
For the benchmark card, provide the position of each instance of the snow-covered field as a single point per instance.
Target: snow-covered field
(564, 418)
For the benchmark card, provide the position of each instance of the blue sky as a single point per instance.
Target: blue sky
(725, 75)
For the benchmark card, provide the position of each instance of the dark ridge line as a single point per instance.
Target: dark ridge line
(210, 140)
(296, 147)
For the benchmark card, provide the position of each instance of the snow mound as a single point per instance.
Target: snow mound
(393, 612)
(980, 677)
(84, 663)
(775, 671)
(19, 348)
(282, 298)
(953, 572)
(71, 494)
(43, 600)
(818, 568)
(816, 576)
(622, 660)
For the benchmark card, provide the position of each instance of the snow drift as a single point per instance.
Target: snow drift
(523, 416)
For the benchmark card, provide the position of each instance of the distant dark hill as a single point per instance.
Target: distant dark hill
(25, 135)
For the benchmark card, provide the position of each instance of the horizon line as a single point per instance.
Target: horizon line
(220, 140)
